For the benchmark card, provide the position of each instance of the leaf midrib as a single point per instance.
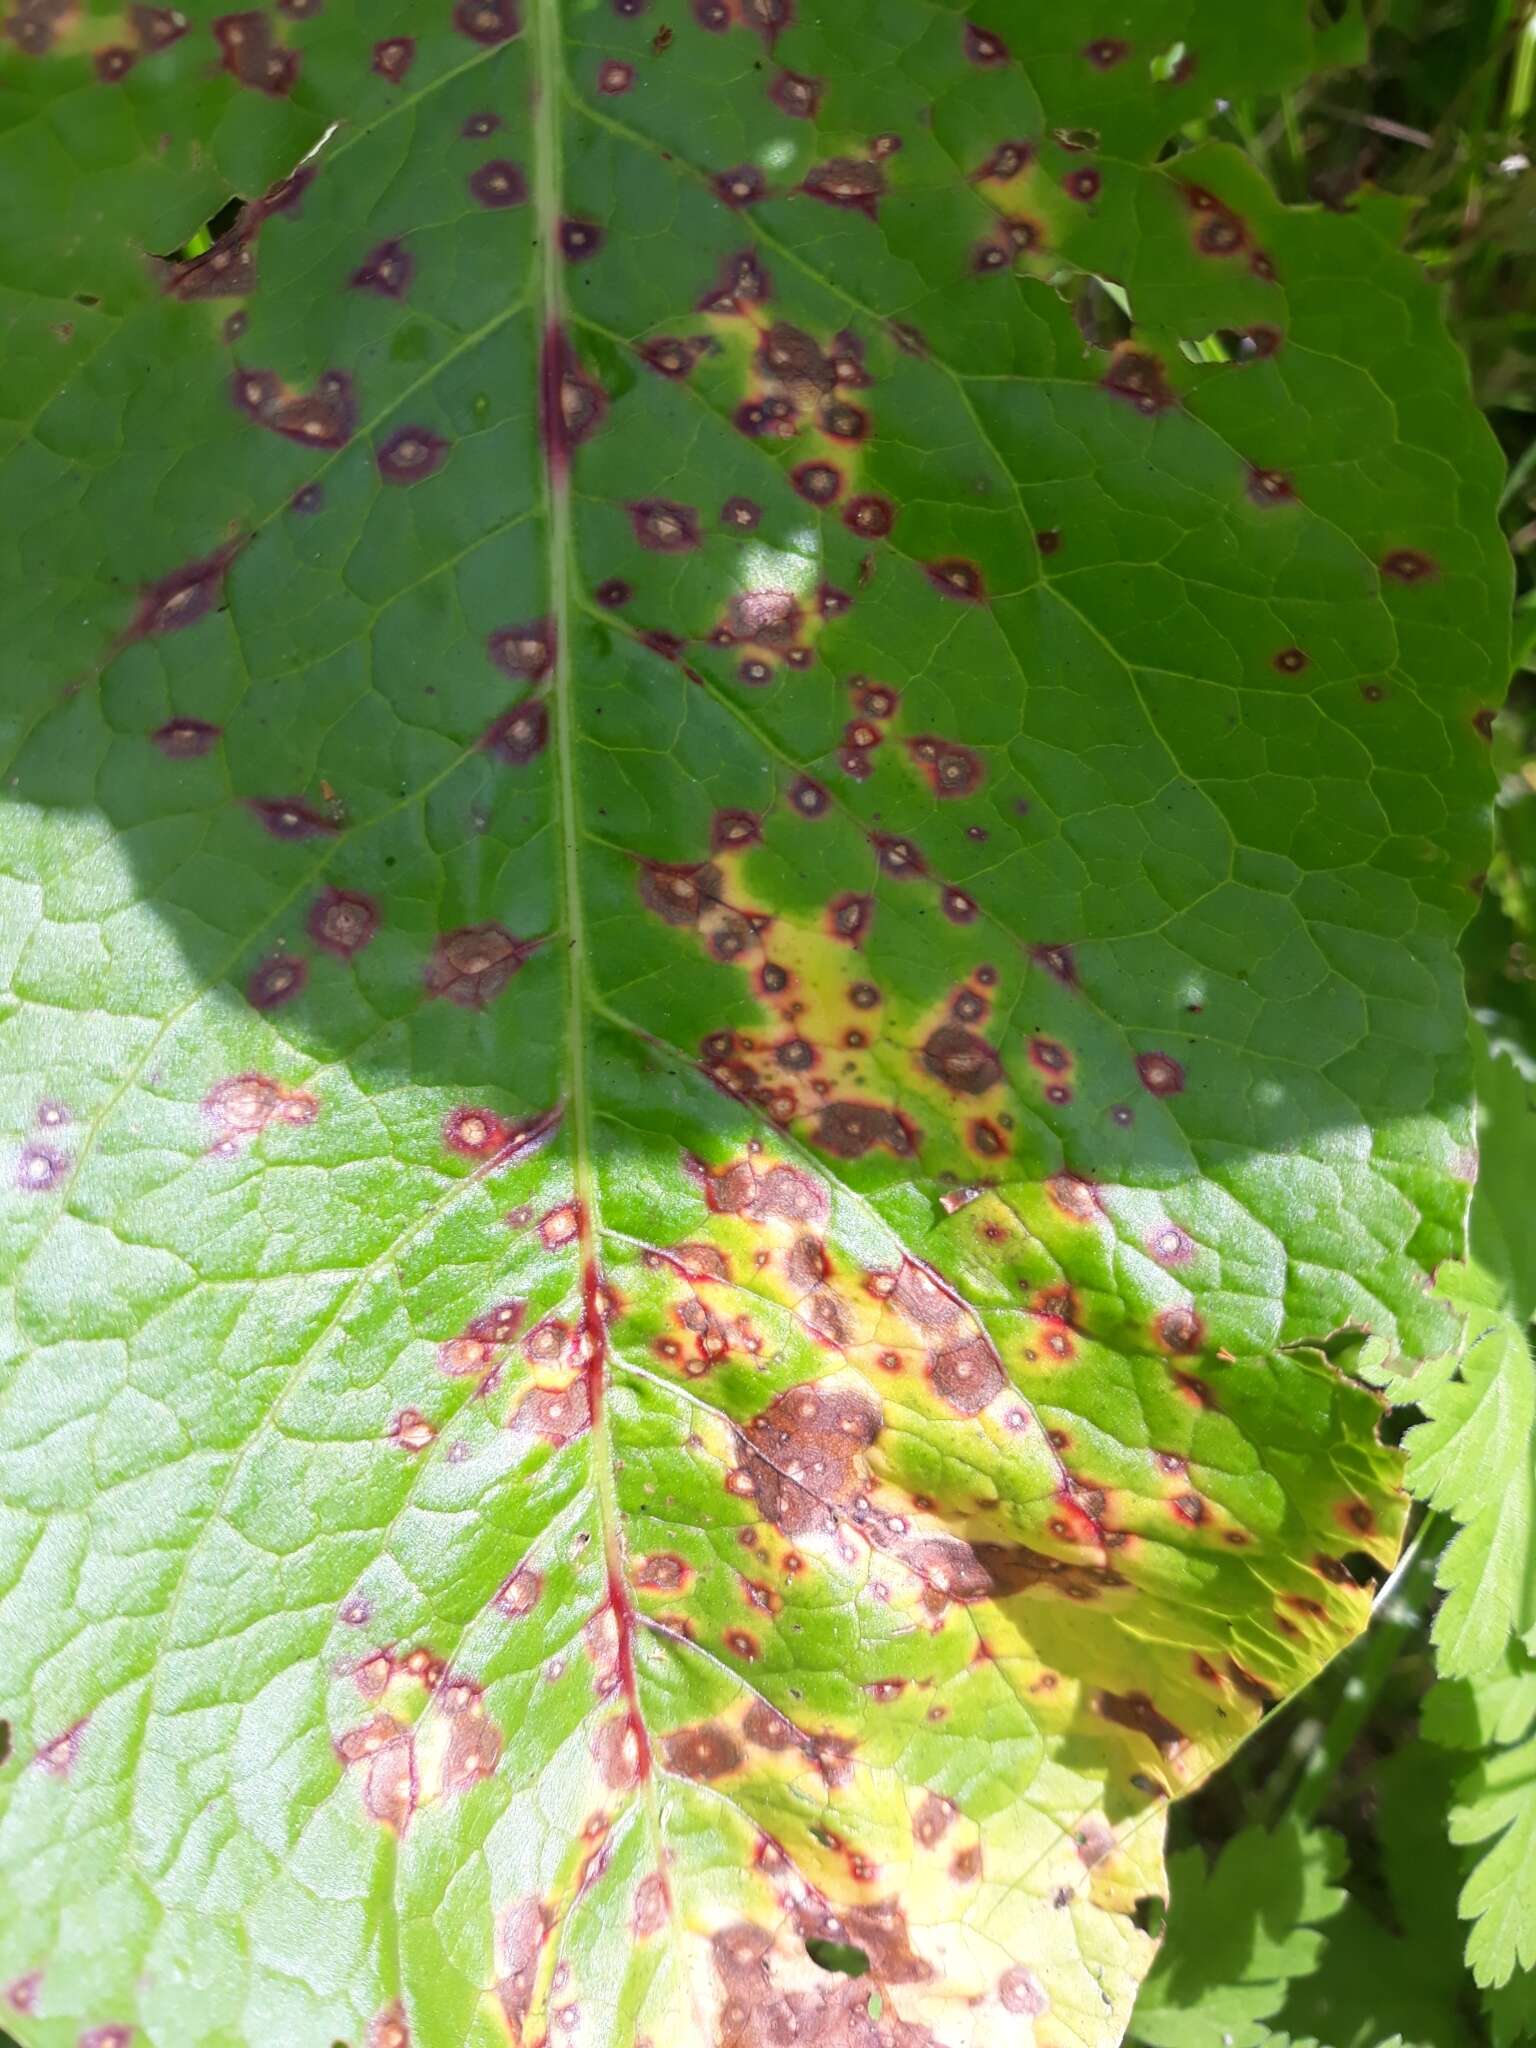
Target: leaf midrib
(548, 85)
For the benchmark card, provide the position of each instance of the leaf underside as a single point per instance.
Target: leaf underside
(723, 944)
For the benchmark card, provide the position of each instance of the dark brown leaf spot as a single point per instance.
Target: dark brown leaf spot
(226, 271)
(186, 739)
(579, 239)
(705, 1751)
(849, 917)
(742, 515)
(729, 831)
(410, 455)
(743, 186)
(667, 528)
(387, 270)
(768, 17)
(956, 578)
(796, 95)
(1021, 1991)
(276, 981)
(1160, 1075)
(983, 47)
(250, 55)
(967, 1376)
(158, 27)
(525, 652)
(323, 418)
(572, 404)
(114, 63)
(557, 1415)
(819, 483)
(393, 57)
(846, 181)
(519, 734)
(1180, 1330)
(290, 817)
(804, 1455)
(850, 1129)
(961, 1060)
(1270, 487)
(472, 965)
(520, 1594)
(677, 895)
(898, 858)
(868, 515)
(498, 183)
(183, 597)
(21, 1992)
(1007, 161)
(1137, 376)
(1134, 1710)
(1407, 565)
(56, 1758)
(39, 1170)
(670, 357)
(1058, 962)
(487, 21)
(475, 1133)
(388, 2028)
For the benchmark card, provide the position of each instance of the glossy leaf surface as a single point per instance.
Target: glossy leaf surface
(724, 949)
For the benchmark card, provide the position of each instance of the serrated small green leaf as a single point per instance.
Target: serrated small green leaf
(1474, 1456)
(1396, 1962)
(1240, 1930)
(1502, 1227)
(1498, 1806)
(1511, 2010)
(1495, 1810)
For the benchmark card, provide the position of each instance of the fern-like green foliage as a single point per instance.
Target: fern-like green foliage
(1472, 1457)
(1494, 1717)
(1241, 1931)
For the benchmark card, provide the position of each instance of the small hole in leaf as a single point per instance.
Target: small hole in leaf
(874, 2005)
(1077, 138)
(1364, 1569)
(1170, 65)
(837, 1956)
(202, 239)
(1150, 1914)
(5, 1741)
(1101, 314)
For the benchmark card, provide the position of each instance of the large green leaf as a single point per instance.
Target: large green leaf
(722, 955)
